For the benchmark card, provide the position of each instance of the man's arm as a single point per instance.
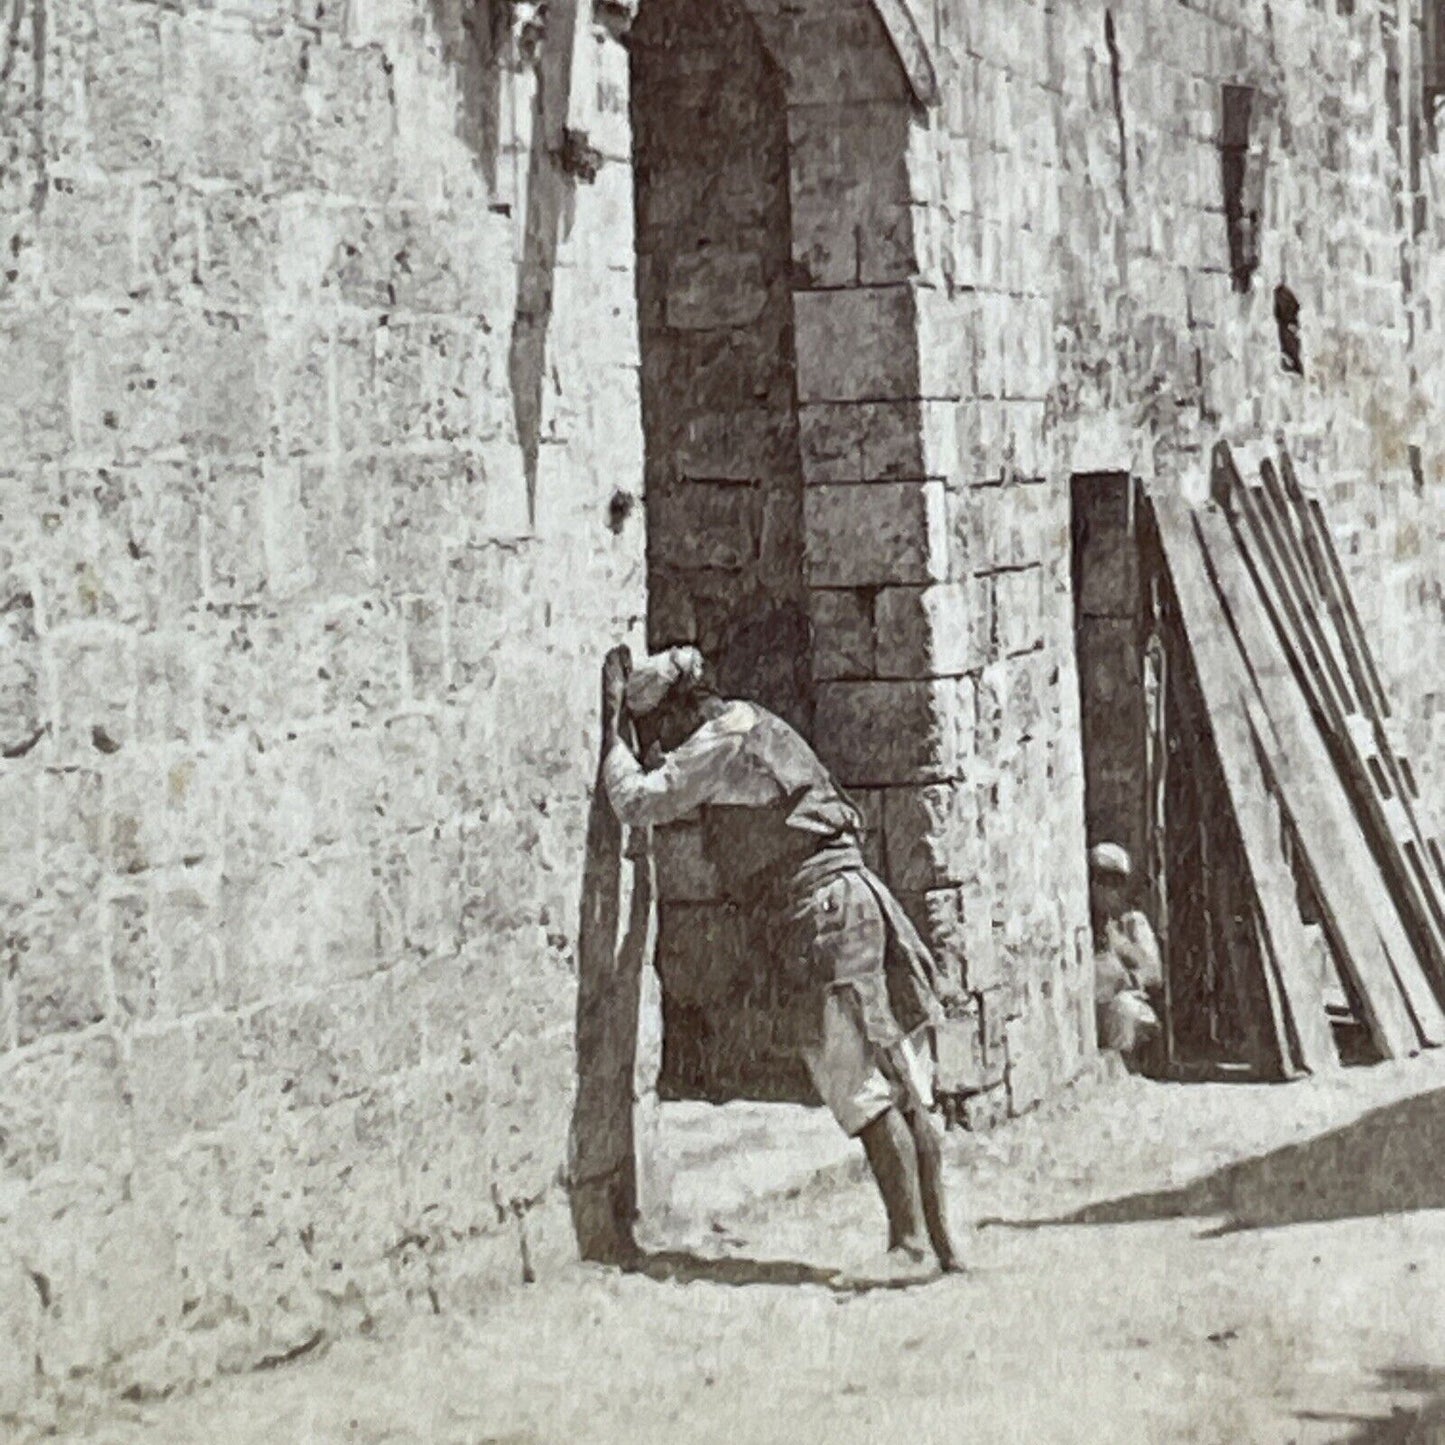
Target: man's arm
(1134, 942)
(699, 771)
(616, 668)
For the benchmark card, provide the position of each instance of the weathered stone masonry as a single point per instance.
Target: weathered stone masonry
(303, 607)
(322, 420)
(931, 684)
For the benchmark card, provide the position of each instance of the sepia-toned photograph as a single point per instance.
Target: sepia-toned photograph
(722, 722)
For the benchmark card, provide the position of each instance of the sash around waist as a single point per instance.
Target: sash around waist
(834, 859)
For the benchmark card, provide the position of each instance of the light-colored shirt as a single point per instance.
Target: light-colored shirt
(711, 766)
(1128, 958)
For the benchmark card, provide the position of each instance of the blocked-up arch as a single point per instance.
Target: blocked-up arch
(777, 267)
(790, 477)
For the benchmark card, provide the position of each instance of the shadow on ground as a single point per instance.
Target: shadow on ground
(1421, 1424)
(1389, 1161)
(684, 1266)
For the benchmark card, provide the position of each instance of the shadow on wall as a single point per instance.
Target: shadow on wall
(1386, 1162)
(1419, 1424)
(476, 40)
(479, 39)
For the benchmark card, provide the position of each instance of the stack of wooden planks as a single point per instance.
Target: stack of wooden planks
(1324, 802)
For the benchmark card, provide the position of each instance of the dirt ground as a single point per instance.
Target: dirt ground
(1207, 1263)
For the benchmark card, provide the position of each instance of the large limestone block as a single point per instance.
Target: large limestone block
(843, 636)
(937, 631)
(868, 441)
(882, 733)
(875, 534)
(856, 345)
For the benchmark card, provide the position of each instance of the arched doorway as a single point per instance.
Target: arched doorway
(723, 474)
(776, 275)
(795, 474)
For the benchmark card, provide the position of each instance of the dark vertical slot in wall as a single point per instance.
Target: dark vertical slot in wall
(1111, 683)
(1116, 92)
(1241, 214)
(1287, 324)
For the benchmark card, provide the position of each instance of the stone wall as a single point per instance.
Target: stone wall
(936, 700)
(1075, 264)
(1082, 268)
(321, 437)
(324, 434)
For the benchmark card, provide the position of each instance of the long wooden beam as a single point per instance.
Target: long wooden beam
(1430, 863)
(1376, 784)
(1297, 1002)
(1360, 916)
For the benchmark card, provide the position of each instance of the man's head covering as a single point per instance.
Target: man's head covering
(655, 677)
(1109, 861)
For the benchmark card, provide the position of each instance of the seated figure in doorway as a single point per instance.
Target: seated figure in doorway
(847, 967)
(1128, 973)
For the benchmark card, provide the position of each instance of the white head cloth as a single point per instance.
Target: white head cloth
(1110, 860)
(654, 677)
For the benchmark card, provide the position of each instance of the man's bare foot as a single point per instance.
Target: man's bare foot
(902, 1265)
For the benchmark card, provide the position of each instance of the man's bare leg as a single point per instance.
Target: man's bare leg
(893, 1158)
(929, 1153)
(927, 1156)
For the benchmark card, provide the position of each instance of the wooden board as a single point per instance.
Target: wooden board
(1314, 588)
(1376, 786)
(1360, 916)
(1431, 863)
(615, 946)
(1237, 486)
(1301, 1026)
(1325, 560)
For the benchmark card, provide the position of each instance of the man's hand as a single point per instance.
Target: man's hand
(616, 668)
(953, 1000)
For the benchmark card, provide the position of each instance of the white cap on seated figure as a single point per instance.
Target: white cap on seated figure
(1110, 860)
